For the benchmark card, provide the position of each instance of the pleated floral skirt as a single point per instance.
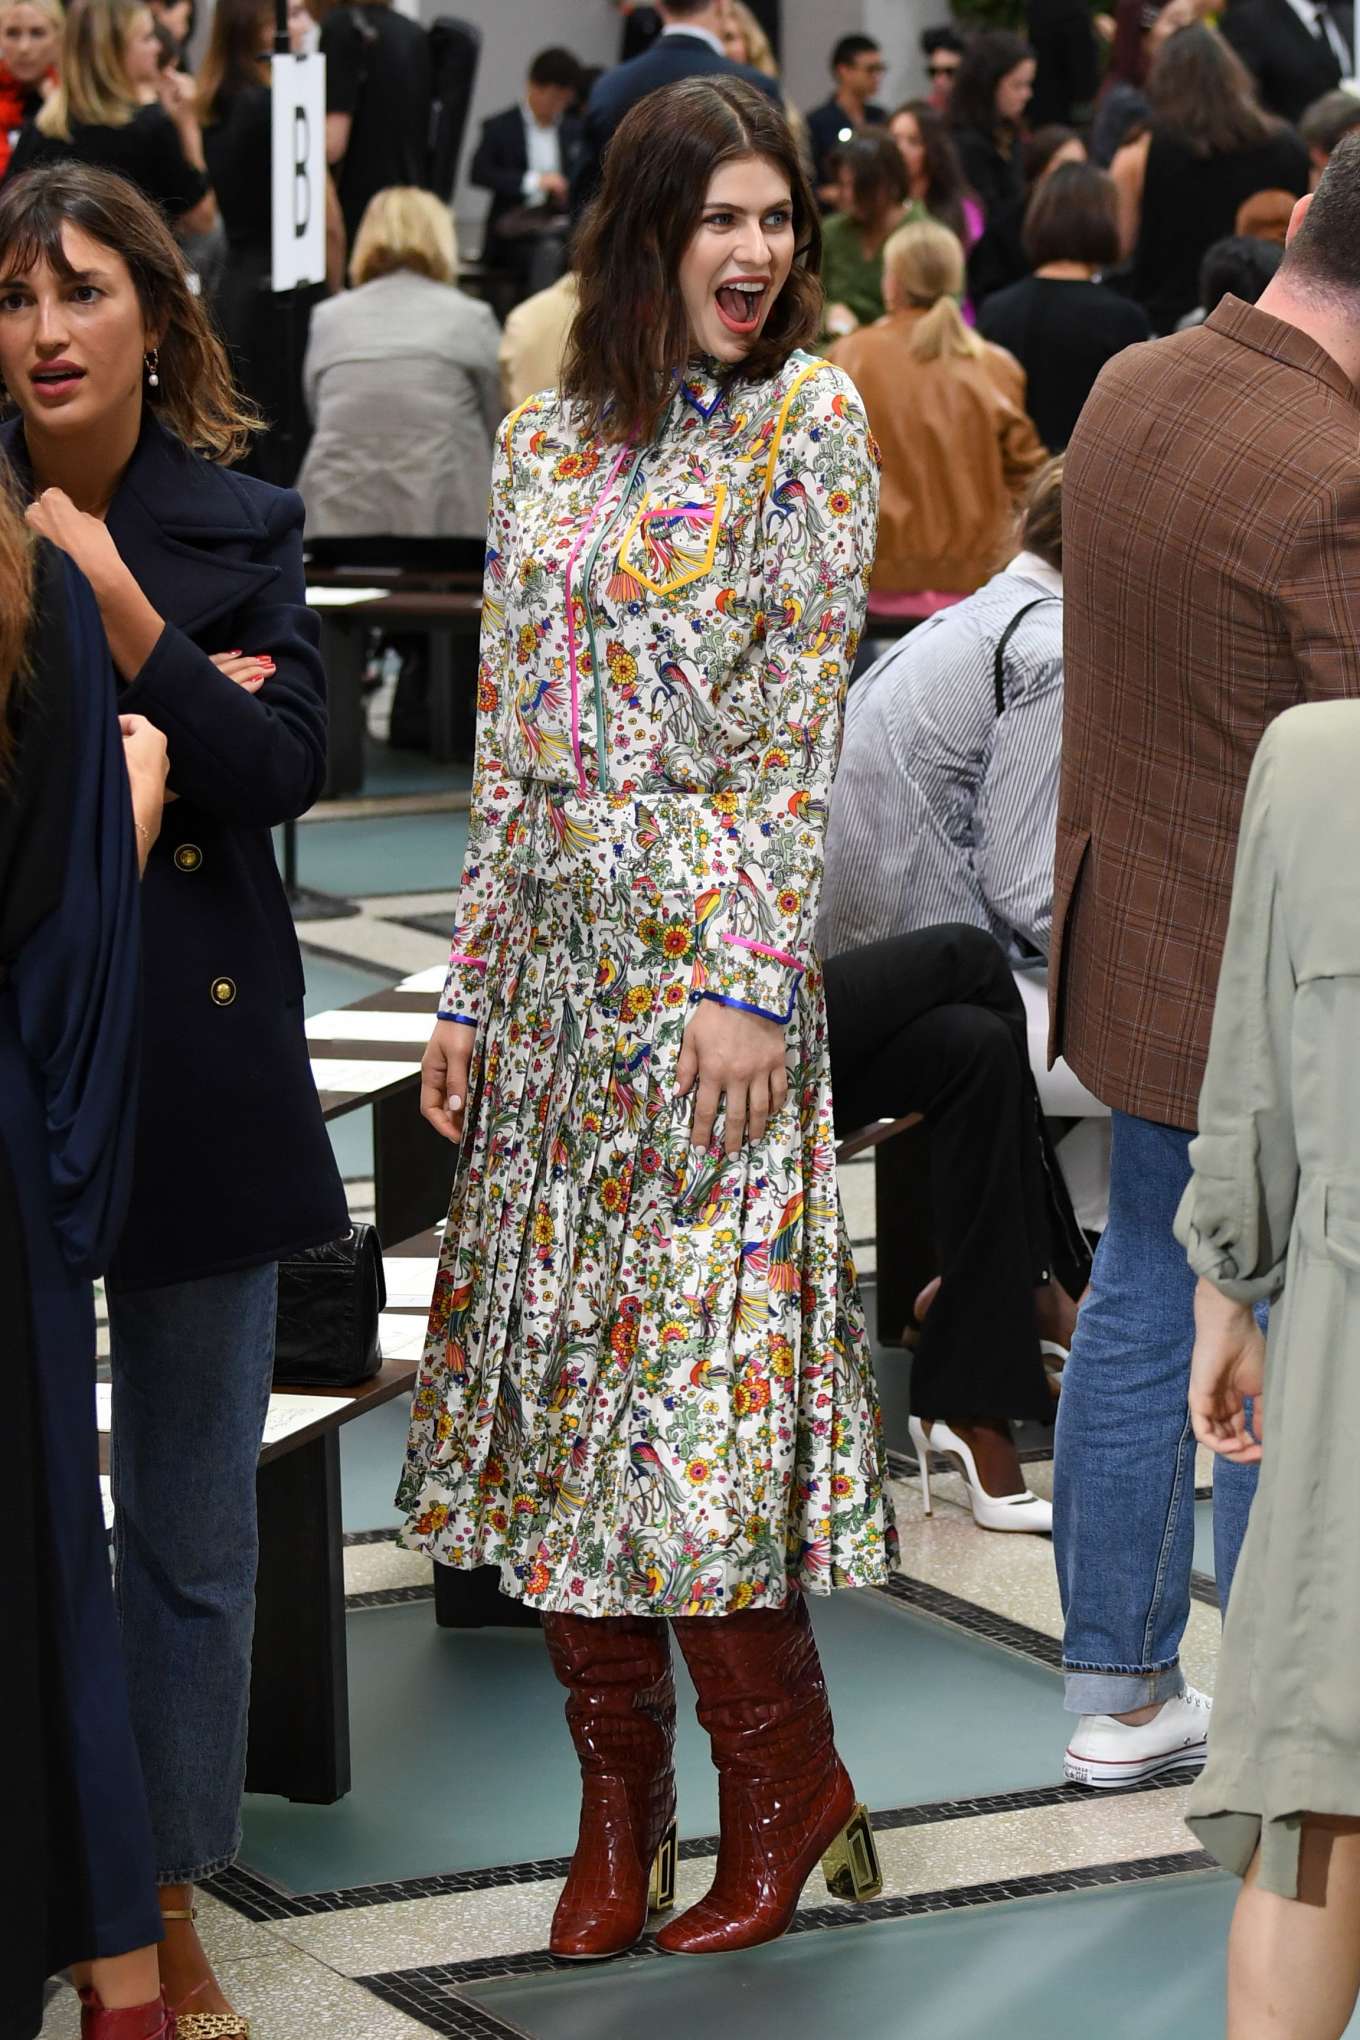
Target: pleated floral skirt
(646, 1386)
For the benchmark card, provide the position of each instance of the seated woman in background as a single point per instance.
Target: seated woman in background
(946, 795)
(948, 411)
(235, 107)
(872, 204)
(30, 45)
(1062, 324)
(935, 182)
(402, 381)
(105, 110)
(1210, 146)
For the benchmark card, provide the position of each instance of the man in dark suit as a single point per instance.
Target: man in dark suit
(1295, 49)
(858, 67)
(1211, 579)
(526, 159)
(689, 46)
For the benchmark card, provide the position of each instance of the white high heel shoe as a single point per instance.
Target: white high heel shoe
(1024, 1511)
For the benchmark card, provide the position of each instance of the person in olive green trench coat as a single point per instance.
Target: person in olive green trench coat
(1273, 1211)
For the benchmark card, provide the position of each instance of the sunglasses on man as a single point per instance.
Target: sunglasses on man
(947, 69)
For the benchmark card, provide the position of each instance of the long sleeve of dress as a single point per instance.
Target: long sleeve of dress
(819, 527)
(487, 881)
(1235, 1217)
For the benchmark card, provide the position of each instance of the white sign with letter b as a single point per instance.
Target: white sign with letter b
(299, 170)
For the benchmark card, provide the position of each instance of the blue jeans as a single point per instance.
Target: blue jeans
(1124, 1457)
(192, 1367)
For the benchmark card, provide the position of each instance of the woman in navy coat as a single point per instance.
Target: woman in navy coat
(126, 414)
(76, 1819)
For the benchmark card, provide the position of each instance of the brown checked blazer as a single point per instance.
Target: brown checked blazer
(1211, 572)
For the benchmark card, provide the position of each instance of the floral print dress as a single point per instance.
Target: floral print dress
(647, 1386)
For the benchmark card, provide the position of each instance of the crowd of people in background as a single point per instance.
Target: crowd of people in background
(1105, 179)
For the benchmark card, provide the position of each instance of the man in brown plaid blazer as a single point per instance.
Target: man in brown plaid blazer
(1211, 570)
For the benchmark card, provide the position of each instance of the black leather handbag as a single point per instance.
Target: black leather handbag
(329, 1300)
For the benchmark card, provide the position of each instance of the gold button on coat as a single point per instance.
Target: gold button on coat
(223, 991)
(188, 857)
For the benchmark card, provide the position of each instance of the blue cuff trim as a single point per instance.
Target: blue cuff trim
(741, 1006)
(463, 1019)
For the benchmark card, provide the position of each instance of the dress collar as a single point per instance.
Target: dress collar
(700, 387)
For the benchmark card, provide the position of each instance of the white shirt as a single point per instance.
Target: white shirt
(544, 145)
(693, 28)
(1313, 18)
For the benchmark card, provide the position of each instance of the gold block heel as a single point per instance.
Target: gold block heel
(851, 1866)
(661, 1889)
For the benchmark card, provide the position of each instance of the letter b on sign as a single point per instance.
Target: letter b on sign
(298, 134)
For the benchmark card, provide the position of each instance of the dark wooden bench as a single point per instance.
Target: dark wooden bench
(431, 588)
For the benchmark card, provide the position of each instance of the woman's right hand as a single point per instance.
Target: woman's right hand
(249, 670)
(147, 757)
(444, 1077)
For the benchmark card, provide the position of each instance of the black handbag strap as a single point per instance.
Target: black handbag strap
(999, 663)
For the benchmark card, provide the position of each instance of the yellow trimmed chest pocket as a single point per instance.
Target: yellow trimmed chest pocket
(673, 540)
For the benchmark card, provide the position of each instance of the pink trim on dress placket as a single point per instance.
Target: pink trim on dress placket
(764, 949)
(581, 538)
(475, 962)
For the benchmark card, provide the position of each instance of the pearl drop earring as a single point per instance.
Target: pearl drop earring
(153, 362)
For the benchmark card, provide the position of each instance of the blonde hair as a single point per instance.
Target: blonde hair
(925, 264)
(93, 86)
(51, 10)
(759, 49)
(403, 228)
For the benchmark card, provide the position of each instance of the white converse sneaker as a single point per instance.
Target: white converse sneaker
(1106, 1752)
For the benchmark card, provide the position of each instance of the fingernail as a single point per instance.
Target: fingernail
(454, 1101)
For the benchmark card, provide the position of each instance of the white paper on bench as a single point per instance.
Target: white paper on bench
(410, 1280)
(431, 980)
(290, 1413)
(403, 1338)
(344, 1024)
(341, 598)
(287, 1413)
(338, 1075)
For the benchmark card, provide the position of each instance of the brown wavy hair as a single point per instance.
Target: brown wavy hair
(1200, 93)
(629, 246)
(197, 399)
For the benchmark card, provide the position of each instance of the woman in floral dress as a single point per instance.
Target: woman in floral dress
(647, 1391)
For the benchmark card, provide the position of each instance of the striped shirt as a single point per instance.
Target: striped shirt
(941, 809)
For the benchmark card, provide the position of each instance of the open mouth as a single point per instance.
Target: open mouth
(56, 379)
(740, 305)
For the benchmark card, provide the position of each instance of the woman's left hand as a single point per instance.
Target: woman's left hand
(1228, 1369)
(82, 538)
(736, 1057)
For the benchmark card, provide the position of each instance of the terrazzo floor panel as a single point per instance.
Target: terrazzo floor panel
(1140, 1963)
(460, 1759)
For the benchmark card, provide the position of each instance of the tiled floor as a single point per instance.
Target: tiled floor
(420, 1903)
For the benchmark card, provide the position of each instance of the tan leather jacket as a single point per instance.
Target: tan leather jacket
(958, 448)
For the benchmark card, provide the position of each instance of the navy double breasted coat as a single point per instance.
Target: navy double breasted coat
(232, 1163)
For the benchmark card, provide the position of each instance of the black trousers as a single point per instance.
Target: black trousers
(932, 1023)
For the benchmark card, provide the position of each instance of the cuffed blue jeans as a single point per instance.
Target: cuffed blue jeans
(192, 1369)
(1124, 1457)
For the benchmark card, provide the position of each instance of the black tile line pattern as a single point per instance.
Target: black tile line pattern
(457, 2018)
(353, 1537)
(428, 1991)
(1204, 1588)
(967, 1615)
(256, 1898)
(386, 1597)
